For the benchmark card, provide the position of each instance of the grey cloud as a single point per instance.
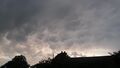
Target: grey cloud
(16, 13)
(31, 27)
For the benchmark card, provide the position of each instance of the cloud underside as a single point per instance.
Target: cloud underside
(41, 28)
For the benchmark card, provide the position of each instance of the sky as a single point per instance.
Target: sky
(40, 29)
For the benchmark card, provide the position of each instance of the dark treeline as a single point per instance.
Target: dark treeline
(62, 60)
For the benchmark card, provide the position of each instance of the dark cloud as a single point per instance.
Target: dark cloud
(14, 14)
(40, 28)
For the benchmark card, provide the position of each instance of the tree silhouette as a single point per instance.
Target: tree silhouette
(116, 56)
(43, 64)
(62, 60)
(56, 62)
(62, 57)
(17, 62)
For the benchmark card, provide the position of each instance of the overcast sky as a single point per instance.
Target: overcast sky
(40, 28)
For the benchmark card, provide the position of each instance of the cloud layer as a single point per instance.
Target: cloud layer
(41, 28)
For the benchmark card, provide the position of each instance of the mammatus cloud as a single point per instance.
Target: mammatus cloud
(42, 28)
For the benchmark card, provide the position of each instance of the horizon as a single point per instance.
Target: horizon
(51, 57)
(71, 56)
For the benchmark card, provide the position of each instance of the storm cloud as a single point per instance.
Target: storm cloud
(39, 29)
